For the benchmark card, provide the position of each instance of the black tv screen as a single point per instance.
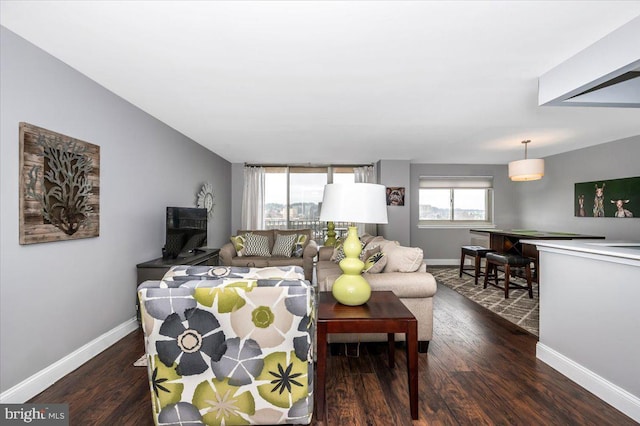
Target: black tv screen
(186, 230)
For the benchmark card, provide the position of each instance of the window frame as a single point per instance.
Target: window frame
(287, 170)
(452, 183)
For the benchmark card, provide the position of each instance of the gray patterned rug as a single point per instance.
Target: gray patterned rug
(518, 308)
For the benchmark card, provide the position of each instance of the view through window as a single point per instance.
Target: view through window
(293, 195)
(455, 201)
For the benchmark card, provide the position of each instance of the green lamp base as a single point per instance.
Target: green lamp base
(331, 235)
(351, 291)
(351, 288)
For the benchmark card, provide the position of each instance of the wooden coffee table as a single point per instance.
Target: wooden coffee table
(383, 313)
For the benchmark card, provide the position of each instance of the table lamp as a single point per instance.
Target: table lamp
(353, 203)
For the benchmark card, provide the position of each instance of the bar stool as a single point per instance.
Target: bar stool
(478, 253)
(507, 261)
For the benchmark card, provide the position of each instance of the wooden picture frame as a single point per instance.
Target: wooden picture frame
(59, 186)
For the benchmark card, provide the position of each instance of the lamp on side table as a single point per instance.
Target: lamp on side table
(353, 203)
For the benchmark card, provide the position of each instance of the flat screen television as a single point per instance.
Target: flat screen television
(186, 231)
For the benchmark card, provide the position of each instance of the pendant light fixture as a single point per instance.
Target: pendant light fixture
(527, 169)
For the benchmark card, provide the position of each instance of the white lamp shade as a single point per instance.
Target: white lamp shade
(529, 169)
(354, 202)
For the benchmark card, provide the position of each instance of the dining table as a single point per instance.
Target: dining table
(513, 241)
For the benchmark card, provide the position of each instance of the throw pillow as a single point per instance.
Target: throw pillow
(375, 263)
(366, 238)
(256, 245)
(380, 242)
(367, 252)
(339, 252)
(301, 241)
(238, 243)
(386, 245)
(336, 246)
(284, 245)
(403, 259)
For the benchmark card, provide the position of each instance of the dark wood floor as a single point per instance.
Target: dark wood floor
(480, 369)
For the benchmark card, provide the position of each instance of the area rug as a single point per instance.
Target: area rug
(518, 308)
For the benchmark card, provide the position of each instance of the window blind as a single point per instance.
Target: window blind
(485, 182)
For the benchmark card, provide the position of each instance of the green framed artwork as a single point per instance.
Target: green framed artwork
(618, 198)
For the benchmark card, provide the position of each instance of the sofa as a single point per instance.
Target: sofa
(302, 253)
(230, 345)
(405, 274)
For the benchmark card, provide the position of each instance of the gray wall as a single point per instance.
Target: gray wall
(548, 203)
(395, 173)
(443, 244)
(56, 297)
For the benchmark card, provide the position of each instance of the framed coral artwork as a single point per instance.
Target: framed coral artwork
(59, 186)
(619, 198)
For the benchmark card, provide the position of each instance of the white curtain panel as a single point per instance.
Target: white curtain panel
(366, 174)
(253, 198)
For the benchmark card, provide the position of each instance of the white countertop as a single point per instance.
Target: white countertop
(620, 249)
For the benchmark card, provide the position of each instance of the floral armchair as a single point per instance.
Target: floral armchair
(230, 345)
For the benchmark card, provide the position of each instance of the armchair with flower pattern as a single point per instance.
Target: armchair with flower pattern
(230, 345)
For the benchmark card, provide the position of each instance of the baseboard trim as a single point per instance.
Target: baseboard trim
(612, 394)
(442, 262)
(38, 382)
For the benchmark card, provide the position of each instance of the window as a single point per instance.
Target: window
(293, 195)
(306, 186)
(342, 175)
(276, 200)
(455, 201)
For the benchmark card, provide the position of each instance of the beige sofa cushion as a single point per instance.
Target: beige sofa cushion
(415, 285)
(402, 259)
(382, 243)
(251, 261)
(285, 261)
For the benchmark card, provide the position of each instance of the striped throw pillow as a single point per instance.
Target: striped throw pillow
(256, 245)
(284, 245)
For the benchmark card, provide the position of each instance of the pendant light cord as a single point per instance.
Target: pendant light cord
(525, 147)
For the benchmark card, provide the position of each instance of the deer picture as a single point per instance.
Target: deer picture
(598, 201)
(581, 210)
(621, 212)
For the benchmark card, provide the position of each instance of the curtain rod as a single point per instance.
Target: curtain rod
(306, 165)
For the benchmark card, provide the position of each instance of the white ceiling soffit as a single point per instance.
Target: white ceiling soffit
(341, 82)
(606, 74)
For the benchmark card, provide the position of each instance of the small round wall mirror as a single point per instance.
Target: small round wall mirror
(206, 199)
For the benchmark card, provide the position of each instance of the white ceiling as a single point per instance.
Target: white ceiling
(340, 82)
